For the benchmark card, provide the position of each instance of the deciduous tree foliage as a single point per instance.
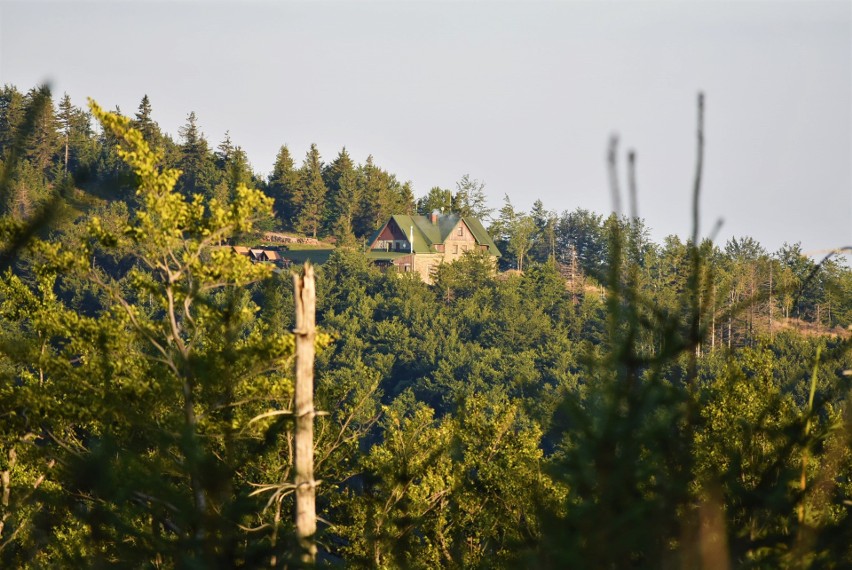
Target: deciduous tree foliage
(615, 403)
(147, 405)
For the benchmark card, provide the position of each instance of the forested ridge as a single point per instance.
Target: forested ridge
(609, 402)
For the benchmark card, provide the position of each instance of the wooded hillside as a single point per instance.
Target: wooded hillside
(612, 402)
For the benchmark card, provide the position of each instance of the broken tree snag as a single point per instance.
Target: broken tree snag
(305, 331)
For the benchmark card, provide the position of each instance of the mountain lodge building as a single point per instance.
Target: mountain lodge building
(421, 243)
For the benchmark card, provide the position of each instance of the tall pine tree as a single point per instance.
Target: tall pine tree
(284, 188)
(195, 162)
(145, 124)
(44, 142)
(341, 179)
(313, 191)
(76, 129)
(224, 151)
(11, 115)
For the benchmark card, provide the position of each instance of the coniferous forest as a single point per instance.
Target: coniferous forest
(599, 401)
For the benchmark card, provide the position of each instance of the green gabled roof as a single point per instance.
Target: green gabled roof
(422, 240)
(447, 223)
(481, 235)
(423, 237)
(427, 234)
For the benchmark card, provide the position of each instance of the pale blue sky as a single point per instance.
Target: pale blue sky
(521, 95)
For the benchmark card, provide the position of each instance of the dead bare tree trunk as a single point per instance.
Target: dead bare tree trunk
(305, 331)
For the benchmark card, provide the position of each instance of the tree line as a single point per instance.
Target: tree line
(339, 198)
(349, 201)
(590, 410)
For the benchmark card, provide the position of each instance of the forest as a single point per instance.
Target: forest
(599, 401)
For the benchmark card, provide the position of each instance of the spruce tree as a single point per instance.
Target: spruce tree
(404, 203)
(145, 123)
(195, 162)
(223, 151)
(544, 239)
(283, 187)
(66, 114)
(238, 169)
(44, 142)
(373, 195)
(580, 233)
(342, 182)
(11, 115)
(312, 195)
(76, 129)
(501, 229)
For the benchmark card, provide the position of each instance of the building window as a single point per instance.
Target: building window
(461, 230)
(455, 248)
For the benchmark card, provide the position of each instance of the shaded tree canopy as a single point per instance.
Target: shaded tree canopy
(612, 402)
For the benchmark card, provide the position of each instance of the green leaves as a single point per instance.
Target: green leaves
(163, 379)
(459, 491)
(487, 420)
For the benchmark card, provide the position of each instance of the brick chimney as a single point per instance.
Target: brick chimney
(433, 217)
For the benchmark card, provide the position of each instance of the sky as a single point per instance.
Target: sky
(523, 96)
